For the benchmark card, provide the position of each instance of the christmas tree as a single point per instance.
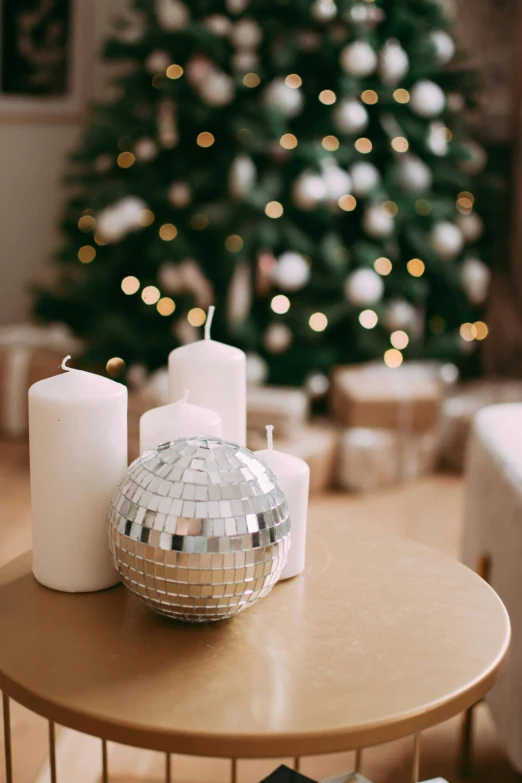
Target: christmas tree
(303, 164)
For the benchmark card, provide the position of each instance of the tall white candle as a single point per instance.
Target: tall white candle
(215, 373)
(293, 475)
(78, 453)
(178, 420)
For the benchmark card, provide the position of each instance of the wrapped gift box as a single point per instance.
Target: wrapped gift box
(286, 408)
(373, 395)
(28, 354)
(458, 411)
(371, 459)
(316, 443)
(284, 774)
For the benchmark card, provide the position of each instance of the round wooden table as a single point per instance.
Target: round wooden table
(380, 638)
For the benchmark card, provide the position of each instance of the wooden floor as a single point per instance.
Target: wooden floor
(429, 511)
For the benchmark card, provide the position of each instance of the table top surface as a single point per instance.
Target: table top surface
(379, 638)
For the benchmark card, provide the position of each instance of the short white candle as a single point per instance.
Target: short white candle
(293, 475)
(78, 453)
(215, 373)
(178, 420)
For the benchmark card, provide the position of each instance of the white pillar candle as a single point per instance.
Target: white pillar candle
(293, 476)
(178, 420)
(215, 373)
(78, 453)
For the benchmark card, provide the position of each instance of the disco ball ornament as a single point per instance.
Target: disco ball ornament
(199, 529)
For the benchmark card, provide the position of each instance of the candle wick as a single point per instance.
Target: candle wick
(185, 397)
(270, 436)
(208, 322)
(64, 366)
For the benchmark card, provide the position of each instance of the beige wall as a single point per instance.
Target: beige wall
(32, 163)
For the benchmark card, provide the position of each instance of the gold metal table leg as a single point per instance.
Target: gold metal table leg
(52, 751)
(105, 762)
(415, 767)
(358, 759)
(233, 771)
(7, 739)
(297, 763)
(167, 768)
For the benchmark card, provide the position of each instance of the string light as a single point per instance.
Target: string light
(125, 160)
(280, 304)
(318, 322)
(448, 135)
(327, 97)
(400, 144)
(99, 240)
(199, 221)
(115, 366)
(168, 231)
(464, 205)
(274, 209)
(437, 324)
(399, 339)
(150, 294)
(369, 97)
(166, 306)
(466, 194)
(146, 217)
(87, 223)
(205, 139)
(422, 206)
(391, 208)
(130, 285)
(481, 330)
(174, 71)
(293, 80)
(393, 357)
(347, 203)
(468, 332)
(196, 316)
(416, 267)
(330, 143)
(363, 145)
(368, 319)
(86, 254)
(251, 80)
(382, 265)
(401, 95)
(288, 141)
(234, 243)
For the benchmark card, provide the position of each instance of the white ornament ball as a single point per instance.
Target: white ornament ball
(393, 62)
(217, 89)
(236, 6)
(427, 99)
(277, 338)
(413, 175)
(400, 314)
(110, 224)
(158, 61)
(471, 226)
(218, 24)
(377, 221)
(180, 194)
(338, 182)
(477, 158)
(309, 40)
(363, 287)
(456, 101)
(246, 34)
(308, 191)
(245, 61)
(449, 373)
(172, 15)
(446, 239)
(475, 276)
(130, 208)
(437, 142)
(170, 278)
(242, 176)
(288, 100)
(291, 272)
(317, 385)
(350, 116)
(198, 68)
(444, 46)
(137, 375)
(324, 10)
(145, 149)
(359, 59)
(256, 369)
(365, 177)
(103, 163)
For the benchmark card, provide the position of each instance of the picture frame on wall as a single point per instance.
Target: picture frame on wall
(45, 59)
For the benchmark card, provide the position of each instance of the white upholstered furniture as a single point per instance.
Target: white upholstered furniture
(493, 535)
